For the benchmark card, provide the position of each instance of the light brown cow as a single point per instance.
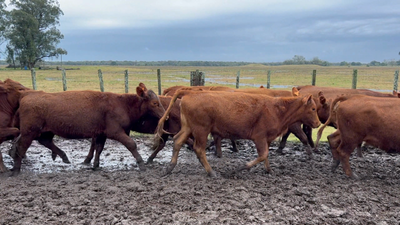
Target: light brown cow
(326, 95)
(359, 119)
(83, 114)
(236, 115)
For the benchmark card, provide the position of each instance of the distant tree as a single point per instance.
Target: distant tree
(3, 21)
(316, 61)
(298, 59)
(32, 31)
(10, 56)
(344, 63)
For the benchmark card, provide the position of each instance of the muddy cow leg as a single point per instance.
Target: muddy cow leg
(99, 142)
(262, 150)
(234, 146)
(46, 139)
(90, 155)
(359, 151)
(164, 138)
(21, 146)
(130, 144)
(301, 135)
(217, 143)
(334, 142)
(179, 139)
(282, 144)
(3, 168)
(200, 144)
(308, 131)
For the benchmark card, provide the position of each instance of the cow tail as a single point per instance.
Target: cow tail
(332, 110)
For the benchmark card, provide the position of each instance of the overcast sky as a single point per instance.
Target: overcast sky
(231, 30)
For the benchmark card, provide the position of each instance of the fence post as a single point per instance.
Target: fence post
(64, 80)
(126, 81)
(101, 81)
(33, 74)
(237, 79)
(269, 79)
(314, 77)
(396, 80)
(354, 83)
(159, 81)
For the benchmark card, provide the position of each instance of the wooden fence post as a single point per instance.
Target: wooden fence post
(33, 74)
(237, 79)
(64, 80)
(159, 81)
(314, 77)
(354, 83)
(269, 79)
(101, 81)
(126, 81)
(396, 80)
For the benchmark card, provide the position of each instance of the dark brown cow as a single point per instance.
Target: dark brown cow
(325, 99)
(236, 115)
(9, 102)
(148, 125)
(359, 119)
(83, 114)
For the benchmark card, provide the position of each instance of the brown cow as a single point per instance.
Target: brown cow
(171, 90)
(9, 102)
(84, 114)
(359, 119)
(148, 125)
(236, 115)
(325, 99)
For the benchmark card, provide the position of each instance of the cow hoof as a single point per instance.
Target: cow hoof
(66, 160)
(14, 173)
(3, 169)
(85, 163)
(354, 176)
(212, 174)
(242, 168)
(142, 167)
(335, 165)
(279, 151)
(96, 168)
(53, 156)
(149, 161)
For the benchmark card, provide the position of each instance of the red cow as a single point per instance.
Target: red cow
(359, 119)
(325, 99)
(9, 102)
(236, 115)
(83, 114)
(148, 125)
(171, 90)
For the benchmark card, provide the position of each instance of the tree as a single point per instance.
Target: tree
(298, 59)
(3, 20)
(32, 32)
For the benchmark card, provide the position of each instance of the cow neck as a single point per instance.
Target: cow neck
(287, 110)
(6, 106)
(134, 106)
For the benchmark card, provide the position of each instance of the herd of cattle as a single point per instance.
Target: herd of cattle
(190, 114)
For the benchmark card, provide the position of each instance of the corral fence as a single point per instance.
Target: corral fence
(197, 78)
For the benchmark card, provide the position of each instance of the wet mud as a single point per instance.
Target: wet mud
(299, 191)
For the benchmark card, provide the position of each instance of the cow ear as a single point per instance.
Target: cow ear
(262, 86)
(295, 92)
(307, 100)
(143, 86)
(140, 91)
(321, 98)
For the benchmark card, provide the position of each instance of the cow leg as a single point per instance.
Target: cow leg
(283, 142)
(334, 141)
(130, 144)
(200, 149)
(262, 150)
(179, 139)
(21, 146)
(359, 151)
(99, 142)
(3, 168)
(217, 143)
(164, 138)
(308, 131)
(234, 146)
(46, 139)
(89, 157)
(300, 134)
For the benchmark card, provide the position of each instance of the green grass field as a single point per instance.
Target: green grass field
(254, 75)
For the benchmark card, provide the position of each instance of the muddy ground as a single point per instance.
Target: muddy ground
(300, 191)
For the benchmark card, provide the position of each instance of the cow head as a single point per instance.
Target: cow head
(310, 116)
(151, 104)
(10, 91)
(323, 107)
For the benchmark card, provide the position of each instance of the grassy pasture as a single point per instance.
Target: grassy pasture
(254, 75)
